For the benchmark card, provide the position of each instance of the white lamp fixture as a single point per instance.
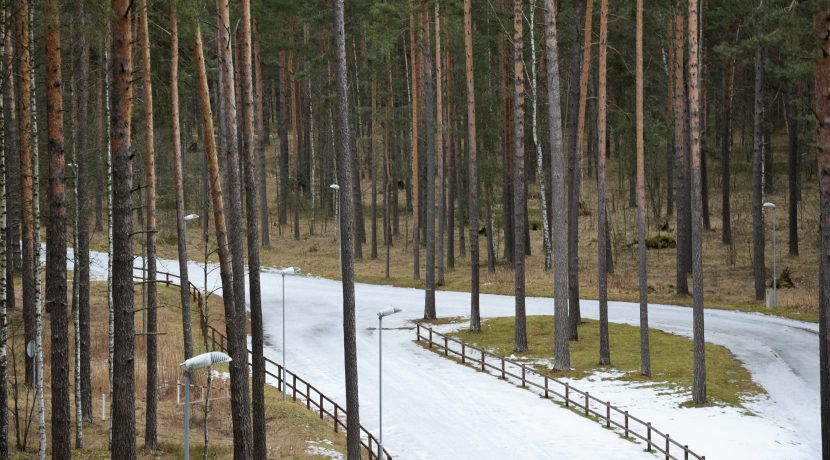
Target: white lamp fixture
(190, 217)
(197, 362)
(382, 314)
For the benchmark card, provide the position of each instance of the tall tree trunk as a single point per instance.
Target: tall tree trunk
(794, 168)
(561, 349)
(416, 235)
(602, 226)
(262, 127)
(429, 123)
(489, 229)
(297, 135)
(439, 144)
(82, 162)
(534, 94)
(12, 161)
(520, 337)
(29, 276)
(240, 398)
(580, 68)
(284, 82)
(223, 247)
(699, 380)
(123, 365)
(56, 236)
(681, 161)
(758, 268)
(181, 226)
(726, 154)
(373, 238)
(472, 169)
(150, 435)
(822, 82)
(344, 173)
(4, 262)
(452, 168)
(670, 77)
(260, 449)
(645, 353)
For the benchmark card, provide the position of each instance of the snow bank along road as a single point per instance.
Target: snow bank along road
(436, 409)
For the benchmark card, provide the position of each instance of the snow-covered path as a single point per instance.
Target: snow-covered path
(435, 409)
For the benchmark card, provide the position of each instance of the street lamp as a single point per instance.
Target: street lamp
(381, 315)
(283, 272)
(192, 364)
(336, 189)
(774, 301)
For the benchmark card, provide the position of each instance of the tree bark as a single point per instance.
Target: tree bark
(12, 162)
(151, 403)
(261, 136)
(4, 263)
(822, 82)
(416, 234)
(670, 77)
(429, 124)
(123, 366)
(344, 173)
(699, 379)
(645, 353)
(260, 449)
(794, 169)
(520, 337)
(542, 178)
(283, 135)
(240, 398)
(758, 267)
(472, 169)
(439, 144)
(681, 160)
(373, 229)
(562, 359)
(602, 226)
(580, 68)
(726, 154)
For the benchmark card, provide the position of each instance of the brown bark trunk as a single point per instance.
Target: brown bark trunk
(429, 124)
(472, 169)
(794, 169)
(416, 237)
(56, 290)
(681, 161)
(261, 137)
(284, 80)
(645, 353)
(123, 385)
(240, 397)
(520, 337)
(670, 113)
(726, 154)
(822, 82)
(602, 226)
(439, 144)
(758, 261)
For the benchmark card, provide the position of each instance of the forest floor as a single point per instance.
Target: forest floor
(293, 431)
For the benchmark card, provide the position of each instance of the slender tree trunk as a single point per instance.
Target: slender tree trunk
(297, 135)
(489, 229)
(151, 403)
(452, 168)
(543, 188)
(110, 226)
(794, 169)
(240, 397)
(439, 144)
(344, 173)
(260, 449)
(726, 154)
(670, 77)
(283, 134)
(822, 82)
(758, 267)
(416, 242)
(602, 226)
(561, 349)
(699, 380)
(12, 161)
(472, 169)
(429, 123)
(261, 135)
(123, 366)
(4, 263)
(575, 162)
(520, 337)
(373, 238)
(387, 173)
(681, 161)
(29, 276)
(82, 163)
(645, 353)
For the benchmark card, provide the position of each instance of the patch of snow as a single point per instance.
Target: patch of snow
(314, 448)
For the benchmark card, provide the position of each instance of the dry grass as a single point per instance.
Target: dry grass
(290, 425)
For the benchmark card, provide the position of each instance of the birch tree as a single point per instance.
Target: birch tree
(534, 96)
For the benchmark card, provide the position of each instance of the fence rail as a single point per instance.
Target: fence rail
(298, 387)
(581, 401)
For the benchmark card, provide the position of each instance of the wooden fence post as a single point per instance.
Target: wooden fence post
(567, 395)
(335, 417)
(321, 406)
(307, 395)
(523, 376)
(446, 350)
(294, 387)
(482, 360)
(586, 403)
(463, 353)
(648, 425)
(546, 387)
(607, 414)
(626, 424)
(502, 370)
(430, 339)
(667, 447)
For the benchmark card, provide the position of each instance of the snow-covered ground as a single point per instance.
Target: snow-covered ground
(435, 409)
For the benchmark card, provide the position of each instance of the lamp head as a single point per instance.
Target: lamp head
(389, 311)
(334, 187)
(769, 205)
(190, 217)
(290, 271)
(205, 360)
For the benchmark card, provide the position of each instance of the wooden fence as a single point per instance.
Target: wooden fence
(298, 388)
(548, 387)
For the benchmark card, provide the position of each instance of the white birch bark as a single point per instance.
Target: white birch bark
(543, 194)
(108, 159)
(4, 420)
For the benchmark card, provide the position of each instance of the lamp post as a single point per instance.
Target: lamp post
(192, 364)
(381, 315)
(336, 189)
(774, 301)
(283, 272)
